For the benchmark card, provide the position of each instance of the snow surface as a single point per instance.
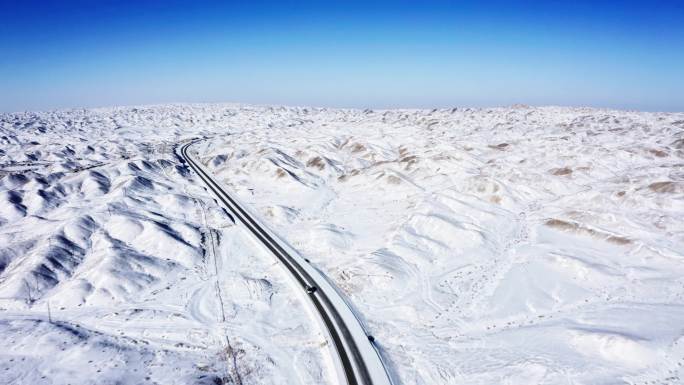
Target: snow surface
(486, 246)
(510, 245)
(147, 279)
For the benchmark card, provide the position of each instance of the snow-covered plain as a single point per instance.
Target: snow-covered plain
(510, 245)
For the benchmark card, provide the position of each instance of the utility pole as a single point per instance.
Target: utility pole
(49, 312)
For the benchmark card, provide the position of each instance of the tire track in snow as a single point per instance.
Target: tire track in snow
(195, 300)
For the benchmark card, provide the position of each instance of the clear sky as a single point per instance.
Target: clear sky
(351, 53)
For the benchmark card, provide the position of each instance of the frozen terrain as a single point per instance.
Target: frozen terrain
(147, 279)
(481, 246)
(512, 246)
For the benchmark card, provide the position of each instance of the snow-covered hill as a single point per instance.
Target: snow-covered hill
(511, 245)
(144, 277)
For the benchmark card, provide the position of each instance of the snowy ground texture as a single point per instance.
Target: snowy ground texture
(482, 246)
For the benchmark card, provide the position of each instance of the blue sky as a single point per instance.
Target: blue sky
(90, 53)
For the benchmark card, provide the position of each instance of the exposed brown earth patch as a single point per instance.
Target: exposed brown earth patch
(619, 240)
(562, 225)
(561, 171)
(358, 147)
(663, 187)
(583, 230)
(316, 162)
(409, 160)
(658, 153)
(344, 177)
(500, 146)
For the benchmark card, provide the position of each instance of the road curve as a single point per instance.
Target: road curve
(357, 359)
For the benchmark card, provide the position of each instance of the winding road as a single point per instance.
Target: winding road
(356, 358)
